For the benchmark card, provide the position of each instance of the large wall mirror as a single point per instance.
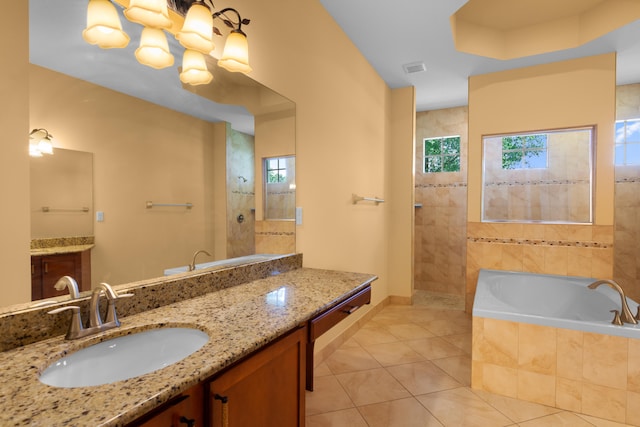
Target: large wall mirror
(541, 176)
(195, 152)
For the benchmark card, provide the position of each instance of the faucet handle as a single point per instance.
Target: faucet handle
(74, 308)
(127, 295)
(75, 326)
(616, 318)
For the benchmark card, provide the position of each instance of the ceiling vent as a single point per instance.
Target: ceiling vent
(414, 67)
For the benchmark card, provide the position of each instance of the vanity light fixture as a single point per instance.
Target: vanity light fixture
(40, 142)
(196, 35)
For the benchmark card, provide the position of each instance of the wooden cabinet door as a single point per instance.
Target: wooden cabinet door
(56, 266)
(265, 390)
(185, 410)
(46, 270)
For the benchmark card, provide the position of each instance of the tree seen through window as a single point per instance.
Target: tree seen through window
(524, 151)
(442, 154)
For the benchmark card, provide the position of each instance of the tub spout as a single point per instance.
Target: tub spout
(625, 312)
(192, 266)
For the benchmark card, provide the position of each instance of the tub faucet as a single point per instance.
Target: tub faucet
(68, 282)
(192, 266)
(625, 312)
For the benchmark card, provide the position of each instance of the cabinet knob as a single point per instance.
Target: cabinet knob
(190, 422)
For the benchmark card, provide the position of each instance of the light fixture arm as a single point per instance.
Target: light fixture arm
(46, 133)
(221, 15)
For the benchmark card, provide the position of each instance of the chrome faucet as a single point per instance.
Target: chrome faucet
(625, 312)
(192, 266)
(68, 282)
(95, 320)
(96, 324)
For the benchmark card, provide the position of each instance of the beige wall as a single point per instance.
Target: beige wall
(14, 162)
(548, 96)
(342, 109)
(63, 182)
(399, 194)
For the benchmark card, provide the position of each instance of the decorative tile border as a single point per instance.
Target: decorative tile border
(243, 193)
(275, 233)
(281, 193)
(539, 242)
(627, 180)
(445, 185)
(539, 182)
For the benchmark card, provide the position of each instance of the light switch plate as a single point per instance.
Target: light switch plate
(298, 215)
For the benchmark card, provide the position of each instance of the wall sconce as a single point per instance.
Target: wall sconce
(104, 29)
(40, 142)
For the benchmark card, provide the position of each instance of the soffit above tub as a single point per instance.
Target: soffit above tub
(508, 29)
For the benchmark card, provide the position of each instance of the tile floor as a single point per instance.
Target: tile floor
(411, 366)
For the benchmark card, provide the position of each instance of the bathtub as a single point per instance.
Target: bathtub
(224, 263)
(550, 300)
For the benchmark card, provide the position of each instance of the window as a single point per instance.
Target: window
(628, 142)
(276, 170)
(524, 151)
(442, 154)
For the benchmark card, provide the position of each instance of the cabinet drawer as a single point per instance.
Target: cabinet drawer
(325, 321)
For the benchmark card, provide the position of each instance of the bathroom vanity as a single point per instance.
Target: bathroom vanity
(47, 269)
(252, 368)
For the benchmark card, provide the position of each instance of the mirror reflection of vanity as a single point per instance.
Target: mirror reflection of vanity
(187, 163)
(61, 205)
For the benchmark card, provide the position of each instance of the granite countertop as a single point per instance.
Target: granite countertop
(55, 250)
(239, 320)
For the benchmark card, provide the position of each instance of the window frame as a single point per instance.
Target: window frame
(625, 144)
(441, 155)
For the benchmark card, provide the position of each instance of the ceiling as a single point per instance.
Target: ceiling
(55, 42)
(389, 35)
(393, 34)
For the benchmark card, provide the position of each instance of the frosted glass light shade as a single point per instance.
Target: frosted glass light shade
(197, 31)
(40, 142)
(150, 13)
(154, 49)
(45, 146)
(194, 69)
(103, 26)
(33, 150)
(235, 56)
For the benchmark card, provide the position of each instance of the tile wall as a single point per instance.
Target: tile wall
(280, 198)
(564, 249)
(240, 193)
(594, 374)
(449, 252)
(627, 203)
(275, 237)
(440, 224)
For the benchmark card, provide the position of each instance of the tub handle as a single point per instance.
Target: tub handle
(616, 318)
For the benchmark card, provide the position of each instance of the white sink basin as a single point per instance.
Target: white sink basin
(124, 357)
